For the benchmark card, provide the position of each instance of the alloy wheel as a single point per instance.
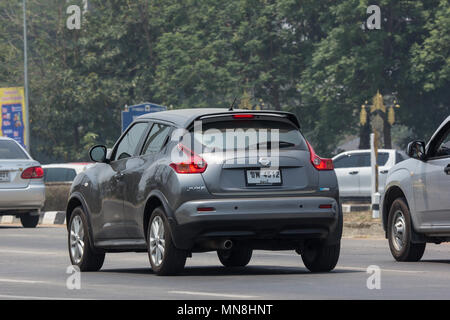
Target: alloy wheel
(77, 239)
(157, 241)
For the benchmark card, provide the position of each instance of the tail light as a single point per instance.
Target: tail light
(243, 116)
(193, 164)
(33, 173)
(319, 163)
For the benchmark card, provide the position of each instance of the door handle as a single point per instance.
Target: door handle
(353, 172)
(447, 169)
(384, 171)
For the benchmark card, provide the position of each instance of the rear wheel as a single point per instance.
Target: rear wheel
(80, 250)
(399, 233)
(235, 257)
(319, 257)
(165, 258)
(29, 221)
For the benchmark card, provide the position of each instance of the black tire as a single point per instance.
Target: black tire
(319, 257)
(90, 259)
(173, 259)
(235, 257)
(408, 251)
(29, 221)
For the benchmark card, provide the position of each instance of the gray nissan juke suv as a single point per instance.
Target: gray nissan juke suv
(197, 180)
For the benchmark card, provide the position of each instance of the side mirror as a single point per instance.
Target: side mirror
(416, 150)
(98, 153)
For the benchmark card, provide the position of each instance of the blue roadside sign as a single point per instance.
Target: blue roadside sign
(132, 112)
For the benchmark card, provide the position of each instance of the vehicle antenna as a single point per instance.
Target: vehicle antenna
(232, 105)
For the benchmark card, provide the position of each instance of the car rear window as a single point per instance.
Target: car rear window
(245, 134)
(11, 150)
(59, 174)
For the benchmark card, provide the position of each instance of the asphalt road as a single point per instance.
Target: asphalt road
(34, 262)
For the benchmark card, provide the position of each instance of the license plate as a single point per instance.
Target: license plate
(263, 177)
(4, 176)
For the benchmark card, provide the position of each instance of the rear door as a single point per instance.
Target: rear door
(347, 171)
(13, 161)
(246, 156)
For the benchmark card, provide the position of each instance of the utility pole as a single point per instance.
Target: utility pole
(25, 68)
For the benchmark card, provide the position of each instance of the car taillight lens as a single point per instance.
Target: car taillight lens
(243, 116)
(33, 173)
(318, 162)
(193, 164)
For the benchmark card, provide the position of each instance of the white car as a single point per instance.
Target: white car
(64, 172)
(354, 173)
(22, 189)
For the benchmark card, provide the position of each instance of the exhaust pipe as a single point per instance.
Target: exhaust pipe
(217, 244)
(227, 244)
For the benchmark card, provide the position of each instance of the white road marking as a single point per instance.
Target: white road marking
(21, 281)
(211, 294)
(6, 296)
(387, 270)
(30, 252)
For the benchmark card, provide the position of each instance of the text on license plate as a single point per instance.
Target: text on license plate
(4, 176)
(263, 177)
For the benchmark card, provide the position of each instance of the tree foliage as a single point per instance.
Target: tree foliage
(312, 57)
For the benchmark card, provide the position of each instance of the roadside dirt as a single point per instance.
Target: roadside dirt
(362, 225)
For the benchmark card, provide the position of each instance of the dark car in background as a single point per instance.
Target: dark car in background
(159, 192)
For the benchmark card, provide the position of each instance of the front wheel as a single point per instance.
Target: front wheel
(165, 258)
(80, 250)
(399, 233)
(319, 257)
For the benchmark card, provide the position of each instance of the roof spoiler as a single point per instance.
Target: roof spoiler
(287, 115)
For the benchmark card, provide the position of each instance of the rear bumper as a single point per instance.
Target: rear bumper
(14, 201)
(287, 220)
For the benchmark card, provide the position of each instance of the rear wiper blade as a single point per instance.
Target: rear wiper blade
(281, 144)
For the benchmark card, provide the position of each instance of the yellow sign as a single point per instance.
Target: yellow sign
(12, 110)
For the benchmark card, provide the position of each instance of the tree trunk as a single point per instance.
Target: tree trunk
(276, 98)
(364, 136)
(387, 133)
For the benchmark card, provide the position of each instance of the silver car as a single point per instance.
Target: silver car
(416, 201)
(22, 189)
(354, 173)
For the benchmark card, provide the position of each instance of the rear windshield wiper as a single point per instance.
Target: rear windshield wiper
(281, 144)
